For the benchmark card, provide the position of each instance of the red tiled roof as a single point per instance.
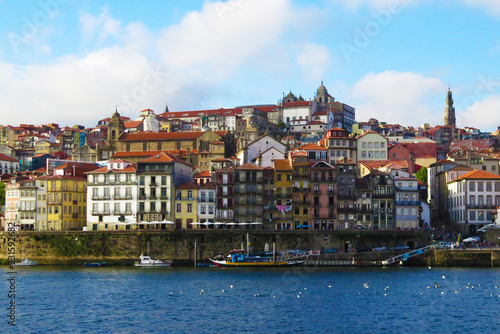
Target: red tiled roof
(145, 136)
(297, 104)
(208, 185)
(205, 173)
(249, 166)
(4, 157)
(187, 185)
(163, 157)
(312, 146)
(198, 113)
(479, 174)
(132, 124)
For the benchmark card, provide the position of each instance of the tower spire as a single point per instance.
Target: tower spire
(449, 111)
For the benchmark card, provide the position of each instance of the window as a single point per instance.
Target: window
(178, 208)
(480, 186)
(203, 209)
(472, 186)
(211, 209)
(190, 208)
(472, 215)
(190, 194)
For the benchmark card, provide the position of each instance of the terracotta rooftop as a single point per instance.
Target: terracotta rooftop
(312, 146)
(205, 173)
(187, 185)
(282, 164)
(145, 136)
(249, 166)
(479, 174)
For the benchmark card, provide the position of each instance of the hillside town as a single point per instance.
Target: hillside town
(298, 164)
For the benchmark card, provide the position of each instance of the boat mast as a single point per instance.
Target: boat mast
(248, 244)
(274, 252)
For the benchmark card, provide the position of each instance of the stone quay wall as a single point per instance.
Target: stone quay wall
(124, 247)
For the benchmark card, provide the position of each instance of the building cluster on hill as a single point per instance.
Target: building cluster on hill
(294, 165)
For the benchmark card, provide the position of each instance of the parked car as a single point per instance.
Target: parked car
(400, 247)
(329, 251)
(379, 249)
(443, 245)
(362, 249)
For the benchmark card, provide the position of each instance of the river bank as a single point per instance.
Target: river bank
(187, 247)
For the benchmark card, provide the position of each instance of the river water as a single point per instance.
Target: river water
(240, 300)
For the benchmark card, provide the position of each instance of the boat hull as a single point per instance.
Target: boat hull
(100, 264)
(152, 265)
(26, 264)
(259, 264)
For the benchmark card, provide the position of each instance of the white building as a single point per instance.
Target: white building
(266, 158)
(112, 197)
(300, 110)
(407, 202)
(471, 199)
(255, 148)
(8, 164)
(206, 203)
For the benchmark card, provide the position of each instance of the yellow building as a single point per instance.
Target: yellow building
(66, 202)
(186, 206)
(283, 183)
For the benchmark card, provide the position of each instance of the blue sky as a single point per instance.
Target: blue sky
(70, 62)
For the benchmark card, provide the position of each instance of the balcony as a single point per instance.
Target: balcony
(481, 206)
(388, 195)
(100, 212)
(340, 210)
(301, 190)
(122, 212)
(122, 197)
(100, 197)
(346, 196)
(408, 203)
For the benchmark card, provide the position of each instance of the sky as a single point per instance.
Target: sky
(73, 62)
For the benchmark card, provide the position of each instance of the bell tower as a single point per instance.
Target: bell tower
(449, 111)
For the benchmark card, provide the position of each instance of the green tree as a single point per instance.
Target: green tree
(422, 175)
(2, 194)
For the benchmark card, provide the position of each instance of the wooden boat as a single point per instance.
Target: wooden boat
(240, 258)
(96, 264)
(27, 262)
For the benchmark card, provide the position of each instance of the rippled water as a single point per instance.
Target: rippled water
(298, 300)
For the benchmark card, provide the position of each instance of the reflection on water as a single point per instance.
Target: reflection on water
(302, 300)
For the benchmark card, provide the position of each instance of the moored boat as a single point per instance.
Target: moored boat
(27, 262)
(96, 264)
(240, 258)
(147, 261)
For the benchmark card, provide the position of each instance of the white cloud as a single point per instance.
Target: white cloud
(398, 97)
(483, 114)
(314, 60)
(206, 58)
(490, 6)
(103, 26)
(218, 39)
(376, 4)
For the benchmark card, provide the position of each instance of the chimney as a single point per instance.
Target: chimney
(245, 155)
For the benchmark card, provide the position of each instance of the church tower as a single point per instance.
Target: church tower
(449, 111)
(322, 96)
